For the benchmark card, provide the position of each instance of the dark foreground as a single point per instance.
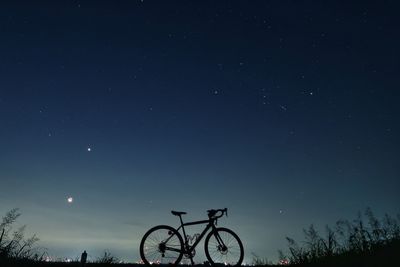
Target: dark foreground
(380, 257)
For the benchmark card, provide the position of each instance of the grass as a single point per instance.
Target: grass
(349, 243)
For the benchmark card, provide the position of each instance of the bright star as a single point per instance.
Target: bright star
(70, 199)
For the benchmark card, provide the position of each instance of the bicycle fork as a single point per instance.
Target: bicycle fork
(221, 246)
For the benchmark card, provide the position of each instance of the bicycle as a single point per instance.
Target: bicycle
(164, 244)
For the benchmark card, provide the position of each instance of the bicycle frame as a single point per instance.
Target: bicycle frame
(189, 249)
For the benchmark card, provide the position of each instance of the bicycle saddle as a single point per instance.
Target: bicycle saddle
(177, 213)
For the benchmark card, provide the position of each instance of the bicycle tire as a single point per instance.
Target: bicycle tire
(152, 249)
(231, 253)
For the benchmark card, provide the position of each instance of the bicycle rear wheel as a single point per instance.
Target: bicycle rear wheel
(223, 246)
(161, 245)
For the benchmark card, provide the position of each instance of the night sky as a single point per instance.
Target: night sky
(285, 112)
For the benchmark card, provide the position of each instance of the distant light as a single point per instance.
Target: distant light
(70, 199)
(89, 149)
(284, 262)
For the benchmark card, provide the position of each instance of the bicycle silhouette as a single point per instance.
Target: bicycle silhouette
(163, 244)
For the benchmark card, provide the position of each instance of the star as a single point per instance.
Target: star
(70, 200)
(89, 149)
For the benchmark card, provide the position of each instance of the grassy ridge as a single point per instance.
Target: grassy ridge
(349, 243)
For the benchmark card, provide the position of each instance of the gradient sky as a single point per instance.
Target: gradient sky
(285, 112)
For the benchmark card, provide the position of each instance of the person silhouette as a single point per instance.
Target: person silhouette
(83, 258)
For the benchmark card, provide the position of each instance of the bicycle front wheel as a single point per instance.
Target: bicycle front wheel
(161, 245)
(223, 246)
